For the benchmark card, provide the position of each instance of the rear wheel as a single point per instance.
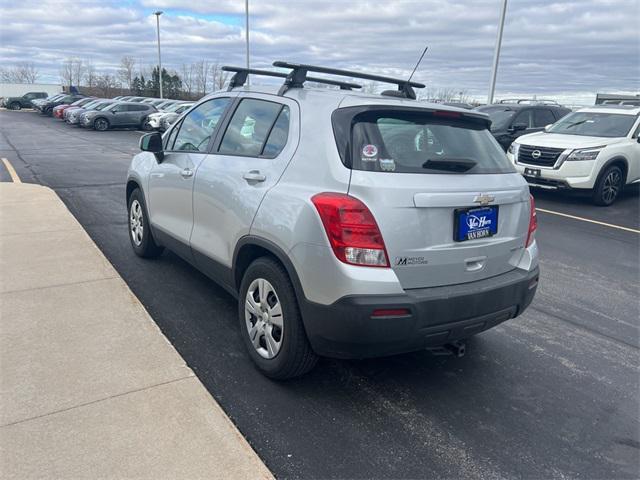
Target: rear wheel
(101, 124)
(15, 106)
(140, 234)
(608, 186)
(271, 323)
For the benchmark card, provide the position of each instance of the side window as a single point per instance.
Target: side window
(171, 138)
(543, 117)
(524, 117)
(249, 127)
(29, 96)
(278, 136)
(199, 125)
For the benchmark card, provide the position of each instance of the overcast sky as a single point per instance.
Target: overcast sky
(563, 49)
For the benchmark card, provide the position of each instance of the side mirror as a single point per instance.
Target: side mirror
(152, 142)
(518, 127)
(547, 127)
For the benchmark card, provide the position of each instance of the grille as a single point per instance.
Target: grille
(547, 158)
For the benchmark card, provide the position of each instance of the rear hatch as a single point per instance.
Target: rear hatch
(449, 205)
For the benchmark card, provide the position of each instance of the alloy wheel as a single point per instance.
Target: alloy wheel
(101, 124)
(611, 186)
(263, 318)
(136, 225)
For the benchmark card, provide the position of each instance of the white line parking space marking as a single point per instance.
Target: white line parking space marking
(582, 219)
(12, 173)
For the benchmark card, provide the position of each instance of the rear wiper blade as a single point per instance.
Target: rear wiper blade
(450, 164)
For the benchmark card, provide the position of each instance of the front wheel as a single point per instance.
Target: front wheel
(15, 106)
(271, 323)
(101, 124)
(140, 234)
(608, 186)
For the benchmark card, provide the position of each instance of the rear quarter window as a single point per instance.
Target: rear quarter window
(417, 141)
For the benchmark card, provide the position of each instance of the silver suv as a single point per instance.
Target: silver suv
(347, 225)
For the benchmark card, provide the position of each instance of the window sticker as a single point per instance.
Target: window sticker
(369, 154)
(387, 164)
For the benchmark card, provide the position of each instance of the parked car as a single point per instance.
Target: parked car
(161, 119)
(74, 116)
(58, 112)
(594, 149)
(510, 120)
(17, 103)
(167, 120)
(47, 107)
(118, 114)
(347, 225)
(38, 102)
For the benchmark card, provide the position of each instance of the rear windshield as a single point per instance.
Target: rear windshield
(418, 141)
(500, 116)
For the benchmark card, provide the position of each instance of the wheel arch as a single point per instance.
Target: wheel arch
(620, 161)
(249, 248)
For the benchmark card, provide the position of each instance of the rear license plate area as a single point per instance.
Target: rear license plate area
(474, 223)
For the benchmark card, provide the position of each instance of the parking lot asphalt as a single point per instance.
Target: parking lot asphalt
(552, 394)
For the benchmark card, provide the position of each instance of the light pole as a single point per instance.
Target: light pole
(157, 14)
(246, 27)
(496, 53)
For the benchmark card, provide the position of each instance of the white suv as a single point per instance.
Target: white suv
(595, 148)
(347, 225)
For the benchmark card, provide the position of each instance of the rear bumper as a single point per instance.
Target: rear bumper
(438, 315)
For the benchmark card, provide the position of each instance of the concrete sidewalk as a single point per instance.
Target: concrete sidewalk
(90, 388)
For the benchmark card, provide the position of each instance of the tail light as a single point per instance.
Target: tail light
(353, 232)
(533, 221)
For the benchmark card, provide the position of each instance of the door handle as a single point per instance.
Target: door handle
(254, 176)
(186, 173)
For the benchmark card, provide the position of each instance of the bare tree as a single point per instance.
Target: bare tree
(125, 72)
(78, 71)
(106, 83)
(218, 76)
(187, 78)
(28, 72)
(25, 72)
(201, 77)
(369, 87)
(90, 74)
(72, 71)
(66, 72)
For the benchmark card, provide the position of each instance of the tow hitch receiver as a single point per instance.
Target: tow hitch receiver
(457, 348)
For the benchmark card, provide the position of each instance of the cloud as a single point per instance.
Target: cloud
(549, 48)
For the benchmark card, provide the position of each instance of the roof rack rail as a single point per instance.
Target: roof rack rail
(240, 78)
(532, 101)
(298, 76)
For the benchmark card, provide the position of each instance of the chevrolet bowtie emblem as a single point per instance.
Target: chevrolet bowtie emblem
(484, 199)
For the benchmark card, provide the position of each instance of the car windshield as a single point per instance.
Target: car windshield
(102, 106)
(181, 108)
(91, 104)
(172, 108)
(111, 106)
(500, 116)
(423, 142)
(594, 124)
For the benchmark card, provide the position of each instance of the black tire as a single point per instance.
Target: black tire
(48, 111)
(144, 245)
(15, 106)
(101, 124)
(608, 186)
(295, 356)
